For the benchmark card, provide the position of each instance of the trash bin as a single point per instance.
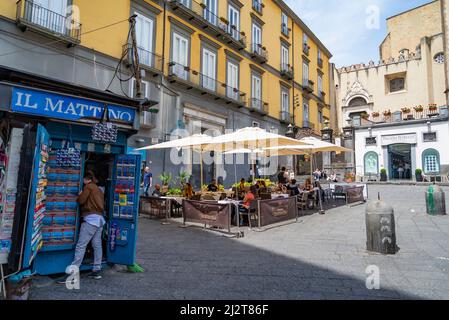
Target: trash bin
(435, 201)
(380, 228)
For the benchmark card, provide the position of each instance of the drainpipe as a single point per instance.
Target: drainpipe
(163, 38)
(294, 73)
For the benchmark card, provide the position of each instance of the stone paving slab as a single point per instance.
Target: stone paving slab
(320, 257)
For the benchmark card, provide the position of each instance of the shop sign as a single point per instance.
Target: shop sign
(400, 138)
(52, 105)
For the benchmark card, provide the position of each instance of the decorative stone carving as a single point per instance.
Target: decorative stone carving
(357, 90)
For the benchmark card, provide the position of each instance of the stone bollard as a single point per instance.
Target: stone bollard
(380, 228)
(435, 201)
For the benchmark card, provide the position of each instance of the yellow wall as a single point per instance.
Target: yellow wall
(98, 13)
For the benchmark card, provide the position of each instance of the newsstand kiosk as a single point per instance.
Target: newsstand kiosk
(47, 215)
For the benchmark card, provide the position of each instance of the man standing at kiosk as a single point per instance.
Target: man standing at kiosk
(91, 201)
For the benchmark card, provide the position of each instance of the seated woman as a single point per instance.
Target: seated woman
(188, 191)
(308, 186)
(262, 187)
(293, 188)
(249, 196)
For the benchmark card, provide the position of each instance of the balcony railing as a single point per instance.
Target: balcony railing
(147, 59)
(284, 29)
(257, 105)
(307, 124)
(307, 85)
(33, 15)
(305, 48)
(320, 63)
(400, 116)
(287, 71)
(258, 6)
(192, 79)
(202, 16)
(285, 117)
(259, 53)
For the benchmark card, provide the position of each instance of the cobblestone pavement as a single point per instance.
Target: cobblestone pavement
(319, 257)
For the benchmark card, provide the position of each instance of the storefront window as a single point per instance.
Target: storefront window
(371, 163)
(431, 161)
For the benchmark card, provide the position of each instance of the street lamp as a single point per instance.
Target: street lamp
(290, 133)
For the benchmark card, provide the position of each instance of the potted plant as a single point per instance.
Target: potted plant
(432, 107)
(419, 108)
(165, 180)
(375, 114)
(349, 177)
(405, 110)
(364, 115)
(387, 113)
(383, 174)
(418, 175)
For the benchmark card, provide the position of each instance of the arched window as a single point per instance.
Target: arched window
(431, 161)
(371, 161)
(357, 102)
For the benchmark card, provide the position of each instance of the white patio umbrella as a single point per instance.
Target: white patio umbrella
(196, 142)
(313, 146)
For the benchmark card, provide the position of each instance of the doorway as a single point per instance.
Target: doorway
(400, 161)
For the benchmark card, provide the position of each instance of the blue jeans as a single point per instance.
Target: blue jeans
(89, 232)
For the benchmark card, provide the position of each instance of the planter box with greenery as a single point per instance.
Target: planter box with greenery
(418, 175)
(383, 174)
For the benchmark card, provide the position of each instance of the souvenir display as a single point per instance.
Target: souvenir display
(7, 206)
(124, 192)
(105, 132)
(62, 192)
(68, 156)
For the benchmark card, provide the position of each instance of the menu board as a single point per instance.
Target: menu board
(61, 213)
(124, 191)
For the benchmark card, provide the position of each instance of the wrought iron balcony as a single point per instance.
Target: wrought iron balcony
(306, 48)
(287, 71)
(307, 85)
(235, 38)
(199, 14)
(204, 85)
(259, 53)
(285, 117)
(258, 6)
(259, 106)
(34, 16)
(320, 62)
(147, 59)
(284, 29)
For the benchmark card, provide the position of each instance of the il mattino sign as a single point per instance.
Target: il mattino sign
(53, 105)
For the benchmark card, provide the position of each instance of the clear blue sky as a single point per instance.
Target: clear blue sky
(349, 28)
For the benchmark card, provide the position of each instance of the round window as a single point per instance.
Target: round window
(439, 58)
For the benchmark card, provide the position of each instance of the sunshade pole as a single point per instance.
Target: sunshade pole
(201, 170)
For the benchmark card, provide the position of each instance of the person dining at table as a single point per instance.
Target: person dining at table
(246, 203)
(280, 188)
(292, 187)
(157, 191)
(308, 186)
(213, 186)
(262, 186)
(188, 191)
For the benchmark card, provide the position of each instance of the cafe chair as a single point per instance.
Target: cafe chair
(339, 193)
(303, 200)
(250, 213)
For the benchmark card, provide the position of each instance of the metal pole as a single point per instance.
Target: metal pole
(137, 75)
(2, 285)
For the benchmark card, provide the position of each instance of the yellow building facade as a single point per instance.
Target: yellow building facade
(279, 44)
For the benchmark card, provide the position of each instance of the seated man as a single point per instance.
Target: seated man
(157, 191)
(212, 187)
(293, 188)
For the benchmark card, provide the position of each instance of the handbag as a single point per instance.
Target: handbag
(104, 132)
(69, 155)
